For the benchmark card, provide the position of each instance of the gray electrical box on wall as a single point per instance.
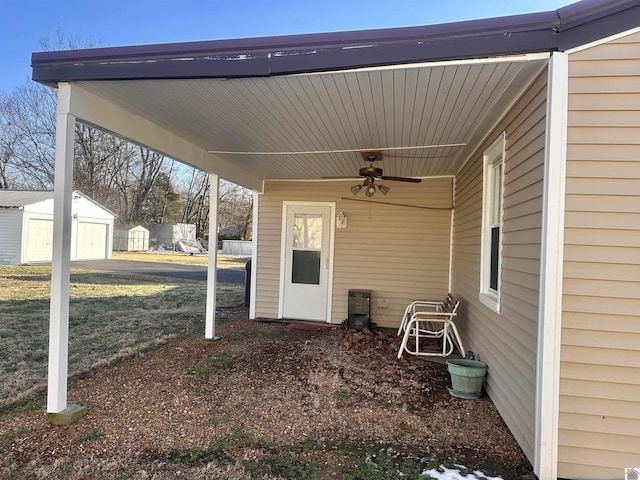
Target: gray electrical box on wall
(359, 309)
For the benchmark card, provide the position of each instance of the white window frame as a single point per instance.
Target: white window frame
(492, 216)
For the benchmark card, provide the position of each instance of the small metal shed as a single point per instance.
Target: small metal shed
(168, 234)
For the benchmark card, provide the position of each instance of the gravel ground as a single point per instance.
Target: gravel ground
(268, 401)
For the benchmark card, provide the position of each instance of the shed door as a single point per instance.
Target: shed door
(39, 240)
(92, 241)
(137, 241)
(306, 262)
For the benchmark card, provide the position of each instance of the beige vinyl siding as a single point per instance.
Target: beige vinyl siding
(399, 253)
(507, 342)
(600, 361)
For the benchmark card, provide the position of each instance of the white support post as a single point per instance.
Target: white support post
(210, 313)
(61, 258)
(551, 271)
(254, 257)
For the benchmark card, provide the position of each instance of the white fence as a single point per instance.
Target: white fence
(237, 247)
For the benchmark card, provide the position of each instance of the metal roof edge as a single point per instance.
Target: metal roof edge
(588, 10)
(564, 28)
(590, 24)
(256, 45)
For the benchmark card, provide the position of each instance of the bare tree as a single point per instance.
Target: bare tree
(235, 206)
(148, 171)
(195, 196)
(135, 180)
(31, 117)
(235, 209)
(164, 203)
(97, 155)
(7, 142)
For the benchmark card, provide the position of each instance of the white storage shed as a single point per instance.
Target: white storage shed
(27, 228)
(131, 239)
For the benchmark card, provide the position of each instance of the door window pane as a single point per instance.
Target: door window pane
(306, 267)
(307, 231)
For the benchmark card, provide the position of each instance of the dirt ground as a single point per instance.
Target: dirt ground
(267, 401)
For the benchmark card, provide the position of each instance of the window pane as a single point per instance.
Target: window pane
(306, 267)
(497, 194)
(495, 248)
(307, 231)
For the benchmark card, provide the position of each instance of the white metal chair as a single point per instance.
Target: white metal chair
(430, 320)
(424, 306)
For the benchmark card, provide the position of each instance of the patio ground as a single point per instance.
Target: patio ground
(266, 402)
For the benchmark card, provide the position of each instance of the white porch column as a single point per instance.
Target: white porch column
(551, 271)
(210, 313)
(60, 265)
(254, 257)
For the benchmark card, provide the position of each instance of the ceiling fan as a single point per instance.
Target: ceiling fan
(371, 173)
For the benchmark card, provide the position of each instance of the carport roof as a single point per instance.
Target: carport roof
(301, 107)
(558, 30)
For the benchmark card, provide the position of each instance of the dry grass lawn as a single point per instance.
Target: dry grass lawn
(224, 261)
(111, 316)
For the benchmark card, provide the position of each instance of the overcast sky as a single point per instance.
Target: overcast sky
(25, 23)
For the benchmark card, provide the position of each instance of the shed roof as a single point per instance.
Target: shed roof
(128, 227)
(22, 198)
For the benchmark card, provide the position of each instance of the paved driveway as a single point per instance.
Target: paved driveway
(190, 272)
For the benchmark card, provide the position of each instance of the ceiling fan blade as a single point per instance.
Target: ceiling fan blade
(401, 179)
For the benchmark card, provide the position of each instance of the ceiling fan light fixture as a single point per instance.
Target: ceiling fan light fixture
(384, 189)
(371, 174)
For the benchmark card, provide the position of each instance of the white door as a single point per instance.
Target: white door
(307, 262)
(92, 241)
(39, 240)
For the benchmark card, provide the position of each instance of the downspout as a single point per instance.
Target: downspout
(551, 271)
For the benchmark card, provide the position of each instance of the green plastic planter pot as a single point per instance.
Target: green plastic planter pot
(467, 377)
